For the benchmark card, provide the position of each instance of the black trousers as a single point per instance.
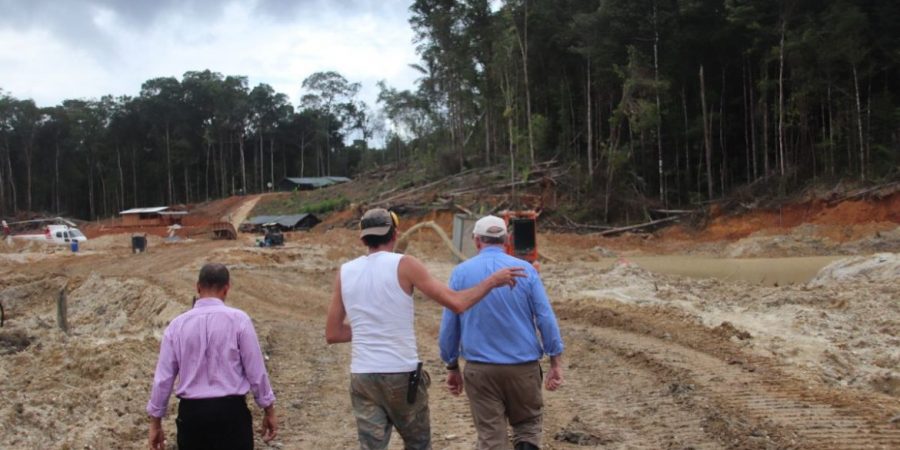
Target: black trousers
(214, 424)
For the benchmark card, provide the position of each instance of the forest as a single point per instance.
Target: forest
(663, 102)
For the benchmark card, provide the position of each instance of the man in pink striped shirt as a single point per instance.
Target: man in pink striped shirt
(213, 351)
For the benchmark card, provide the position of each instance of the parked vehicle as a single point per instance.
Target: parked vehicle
(62, 232)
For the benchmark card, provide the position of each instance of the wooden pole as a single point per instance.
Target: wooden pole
(62, 311)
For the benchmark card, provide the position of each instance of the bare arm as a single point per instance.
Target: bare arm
(336, 330)
(412, 271)
(555, 377)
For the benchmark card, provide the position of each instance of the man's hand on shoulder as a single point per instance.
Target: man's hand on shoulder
(507, 276)
(156, 437)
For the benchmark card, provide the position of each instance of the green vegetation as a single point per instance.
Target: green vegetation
(297, 203)
(326, 206)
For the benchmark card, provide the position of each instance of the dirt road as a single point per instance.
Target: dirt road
(240, 215)
(644, 369)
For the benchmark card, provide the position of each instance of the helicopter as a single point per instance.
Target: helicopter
(58, 231)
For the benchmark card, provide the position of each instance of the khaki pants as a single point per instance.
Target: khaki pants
(504, 393)
(379, 404)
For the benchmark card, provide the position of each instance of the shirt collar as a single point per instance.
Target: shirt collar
(208, 301)
(492, 249)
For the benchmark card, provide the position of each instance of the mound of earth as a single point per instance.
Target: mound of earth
(97, 372)
(882, 267)
(112, 306)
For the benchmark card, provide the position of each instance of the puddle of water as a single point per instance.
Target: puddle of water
(768, 271)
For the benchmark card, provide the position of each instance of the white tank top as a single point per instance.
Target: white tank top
(381, 315)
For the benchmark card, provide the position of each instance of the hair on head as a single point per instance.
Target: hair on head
(491, 240)
(374, 240)
(213, 276)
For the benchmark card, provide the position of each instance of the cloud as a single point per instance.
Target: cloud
(59, 15)
(289, 9)
(57, 50)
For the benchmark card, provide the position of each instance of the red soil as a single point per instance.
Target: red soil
(844, 221)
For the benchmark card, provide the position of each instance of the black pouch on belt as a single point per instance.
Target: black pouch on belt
(413, 386)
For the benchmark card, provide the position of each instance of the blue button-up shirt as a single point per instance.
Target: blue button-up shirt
(502, 328)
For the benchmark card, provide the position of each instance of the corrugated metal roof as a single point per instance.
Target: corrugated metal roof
(317, 181)
(289, 221)
(259, 220)
(154, 209)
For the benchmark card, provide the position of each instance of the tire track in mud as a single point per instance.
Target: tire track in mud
(606, 401)
(310, 377)
(741, 400)
(312, 398)
(611, 402)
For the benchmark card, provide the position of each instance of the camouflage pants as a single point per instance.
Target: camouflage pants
(379, 404)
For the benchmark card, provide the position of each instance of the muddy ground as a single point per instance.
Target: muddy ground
(665, 359)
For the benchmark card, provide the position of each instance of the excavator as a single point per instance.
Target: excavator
(521, 242)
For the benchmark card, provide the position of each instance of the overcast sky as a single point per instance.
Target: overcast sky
(51, 50)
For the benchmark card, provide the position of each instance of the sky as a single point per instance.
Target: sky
(52, 50)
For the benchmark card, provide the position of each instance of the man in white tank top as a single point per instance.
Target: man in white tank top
(388, 388)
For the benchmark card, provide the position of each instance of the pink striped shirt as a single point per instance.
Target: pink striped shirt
(214, 352)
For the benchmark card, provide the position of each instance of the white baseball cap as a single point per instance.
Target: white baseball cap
(490, 226)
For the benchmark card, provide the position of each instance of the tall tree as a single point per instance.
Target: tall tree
(163, 99)
(335, 98)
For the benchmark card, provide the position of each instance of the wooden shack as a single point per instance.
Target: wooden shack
(149, 217)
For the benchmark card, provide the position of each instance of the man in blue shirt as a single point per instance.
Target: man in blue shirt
(499, 340)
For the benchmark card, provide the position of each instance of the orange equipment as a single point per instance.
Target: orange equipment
(522, 231)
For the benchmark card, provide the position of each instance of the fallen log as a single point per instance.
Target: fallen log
(391, 191)
(490, 187)
(407, 192)
(674, 211)
(421, 188)
(464, 209)
(575, 225)
(862, 193)
(638, 227)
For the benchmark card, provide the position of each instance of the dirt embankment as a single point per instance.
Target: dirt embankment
(82, 389)
(836, 223)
